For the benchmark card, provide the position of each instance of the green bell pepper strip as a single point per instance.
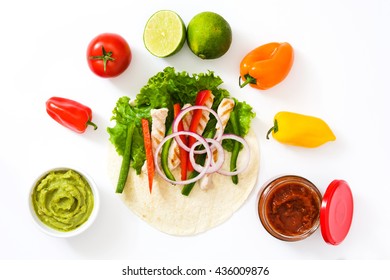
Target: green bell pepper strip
(200, 159)
(125, 166)
(237, 146)
(165, 156)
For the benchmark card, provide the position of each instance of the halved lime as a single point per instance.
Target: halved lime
(164, 33)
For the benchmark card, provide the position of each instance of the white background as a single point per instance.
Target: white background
(340, 74)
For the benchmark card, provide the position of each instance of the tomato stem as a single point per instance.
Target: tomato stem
(106, 56)
(248, 80)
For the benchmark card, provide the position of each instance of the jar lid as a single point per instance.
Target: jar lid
(336, 212)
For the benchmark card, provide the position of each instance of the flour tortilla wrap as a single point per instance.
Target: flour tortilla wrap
(167, 210)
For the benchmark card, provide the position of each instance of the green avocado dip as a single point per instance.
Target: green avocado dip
(63, 200)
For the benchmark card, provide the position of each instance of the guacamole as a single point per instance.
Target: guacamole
(63, 200)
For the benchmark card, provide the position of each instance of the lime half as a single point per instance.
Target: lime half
(164, 34)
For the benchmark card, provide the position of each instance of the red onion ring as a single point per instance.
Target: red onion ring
(247, 158)
(176, 135)
(214, 166)
(176, 121)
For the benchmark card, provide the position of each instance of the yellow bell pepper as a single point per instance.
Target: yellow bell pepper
(300, 130)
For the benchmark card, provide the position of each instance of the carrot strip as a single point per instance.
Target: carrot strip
(148, 152)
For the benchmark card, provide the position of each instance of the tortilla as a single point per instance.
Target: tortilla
(167, 210)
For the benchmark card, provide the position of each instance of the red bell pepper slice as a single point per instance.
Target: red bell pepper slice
(200, 100)
(148, 152)
(183, 153)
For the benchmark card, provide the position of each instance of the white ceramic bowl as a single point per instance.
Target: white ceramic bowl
(56, 233)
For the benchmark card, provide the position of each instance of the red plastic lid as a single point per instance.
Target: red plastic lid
(336, 212)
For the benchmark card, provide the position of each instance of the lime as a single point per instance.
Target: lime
(164, 33)
(209, 35)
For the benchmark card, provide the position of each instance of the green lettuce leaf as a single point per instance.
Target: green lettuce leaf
(123, 114)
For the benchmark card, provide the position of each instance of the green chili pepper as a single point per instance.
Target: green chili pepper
(125, 166)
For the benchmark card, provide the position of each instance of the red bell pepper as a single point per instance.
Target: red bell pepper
(183, 153)
(200, 100)
(70, 114)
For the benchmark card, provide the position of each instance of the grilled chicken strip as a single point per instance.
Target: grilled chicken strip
(188, 117)
(159, 117)
(205, 116)
(224, 109)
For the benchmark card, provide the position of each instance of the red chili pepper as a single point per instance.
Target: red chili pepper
(70, 114)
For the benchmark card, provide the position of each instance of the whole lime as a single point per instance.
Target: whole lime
(209, 35)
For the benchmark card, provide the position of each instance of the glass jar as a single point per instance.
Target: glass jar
(289, 208)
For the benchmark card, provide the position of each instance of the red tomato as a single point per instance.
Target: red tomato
(108, 55)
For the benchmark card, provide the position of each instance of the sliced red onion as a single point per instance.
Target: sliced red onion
(175, 126)
(214, 166)
(246, 158)
(176, 134)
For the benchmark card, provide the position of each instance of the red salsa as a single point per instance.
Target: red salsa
(292, 209)
(289, 208)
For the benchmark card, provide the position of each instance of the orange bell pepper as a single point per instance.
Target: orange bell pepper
(267, 65)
